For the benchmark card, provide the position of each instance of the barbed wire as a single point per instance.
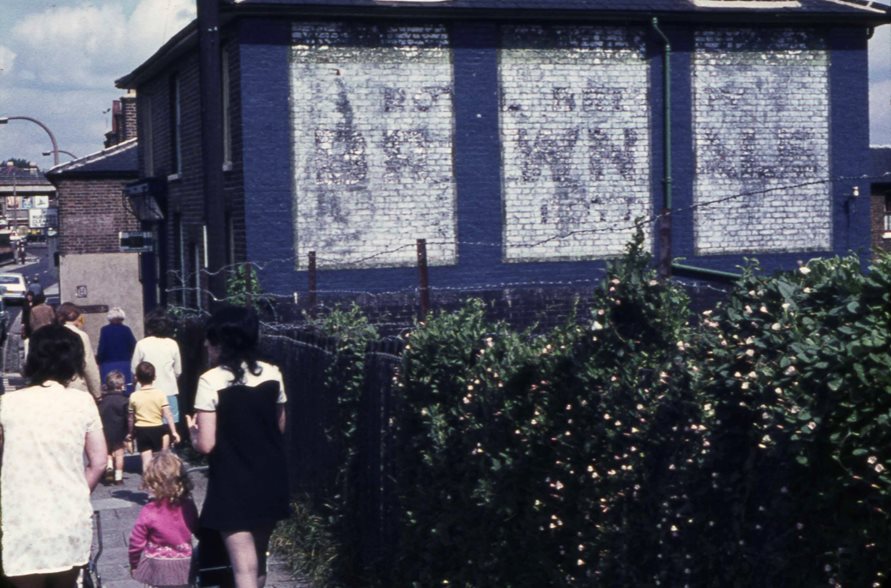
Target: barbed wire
(358, 264)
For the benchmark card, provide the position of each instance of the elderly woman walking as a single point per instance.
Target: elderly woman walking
(116, 345)
(53, 453)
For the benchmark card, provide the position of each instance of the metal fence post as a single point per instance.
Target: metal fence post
(423, 279)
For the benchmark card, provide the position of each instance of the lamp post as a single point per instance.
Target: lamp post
(5, 119)
(68, 153)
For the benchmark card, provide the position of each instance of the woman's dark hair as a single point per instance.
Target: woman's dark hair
(145, 373)
(68, 312)
(54, 353)
(157, 324)
(236, 331)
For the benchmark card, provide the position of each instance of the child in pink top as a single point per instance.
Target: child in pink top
(161, 540)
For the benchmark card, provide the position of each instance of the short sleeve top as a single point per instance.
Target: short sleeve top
(147, 405)
(45, 496)
(219, 378)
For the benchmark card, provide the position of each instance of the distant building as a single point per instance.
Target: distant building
(27, 202)
(95, 271)
(522, 140)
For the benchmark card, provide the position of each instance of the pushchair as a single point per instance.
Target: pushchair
(90, 573)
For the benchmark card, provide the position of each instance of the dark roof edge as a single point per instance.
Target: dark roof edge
(174, 47)
(187, 38)
(78, 166)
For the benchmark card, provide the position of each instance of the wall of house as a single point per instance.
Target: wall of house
(93, 272)
(91, 214)
(184, 187)
(761, 124)
(95, 280)
(526, 153)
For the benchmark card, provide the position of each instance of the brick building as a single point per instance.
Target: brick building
(94, 272)
(523, 140)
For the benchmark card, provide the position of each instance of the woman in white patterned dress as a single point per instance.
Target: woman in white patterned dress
(46, 430)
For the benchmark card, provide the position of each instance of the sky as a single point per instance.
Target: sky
(59, 60)
(58, 63)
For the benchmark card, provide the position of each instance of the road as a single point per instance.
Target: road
(37, 264)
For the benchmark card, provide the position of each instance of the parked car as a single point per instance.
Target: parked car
(13, 287)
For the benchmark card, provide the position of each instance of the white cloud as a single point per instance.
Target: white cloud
(59, 61)
(880, 86)
(7, 60)
(89, 45)
(880, 113)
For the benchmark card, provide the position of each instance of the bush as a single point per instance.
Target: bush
(637, 447)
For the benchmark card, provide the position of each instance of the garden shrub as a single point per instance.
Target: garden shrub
(794, 488)
(525, 461)
(637, 447)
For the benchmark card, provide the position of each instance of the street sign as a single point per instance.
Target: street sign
(137, 241)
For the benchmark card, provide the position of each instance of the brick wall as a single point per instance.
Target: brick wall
(575, 137)
(91, 213)
(372, 124)
(761, 133)
(185, 187)
(128, 118)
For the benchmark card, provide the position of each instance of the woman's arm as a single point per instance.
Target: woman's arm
(281, 413)
(168, 415)
(97, 454)
(203, 428)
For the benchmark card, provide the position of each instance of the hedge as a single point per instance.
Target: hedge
(640, 446)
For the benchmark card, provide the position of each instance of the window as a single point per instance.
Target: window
(227, 115)
(230, 239)
(179, 243)
(887, 214)
(146, 140)
(176, 151)
(196, 258)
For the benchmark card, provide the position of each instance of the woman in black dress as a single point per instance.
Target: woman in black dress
(239, 423)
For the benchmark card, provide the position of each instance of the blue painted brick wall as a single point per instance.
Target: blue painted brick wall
(269, 173)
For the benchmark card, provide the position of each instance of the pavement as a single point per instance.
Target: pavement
(118, 506)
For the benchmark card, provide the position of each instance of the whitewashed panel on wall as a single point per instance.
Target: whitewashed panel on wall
(371, 113)
(761, 132)
(575, 140)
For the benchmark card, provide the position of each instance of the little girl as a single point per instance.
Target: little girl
(161, 540)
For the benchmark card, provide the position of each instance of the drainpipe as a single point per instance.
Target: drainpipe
(212, 145)
(664, 261)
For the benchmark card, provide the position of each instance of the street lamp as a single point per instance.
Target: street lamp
(5, 119)
(68, 153)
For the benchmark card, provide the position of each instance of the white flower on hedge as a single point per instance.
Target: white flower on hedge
(805, 270)
(750, 352)
(597, 326)
(776, 327)
(879, 468)
(872, 459)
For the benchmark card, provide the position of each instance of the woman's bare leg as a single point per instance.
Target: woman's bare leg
(246, 550)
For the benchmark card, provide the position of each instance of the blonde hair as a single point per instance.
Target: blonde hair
(165, 477)
(115, 380)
